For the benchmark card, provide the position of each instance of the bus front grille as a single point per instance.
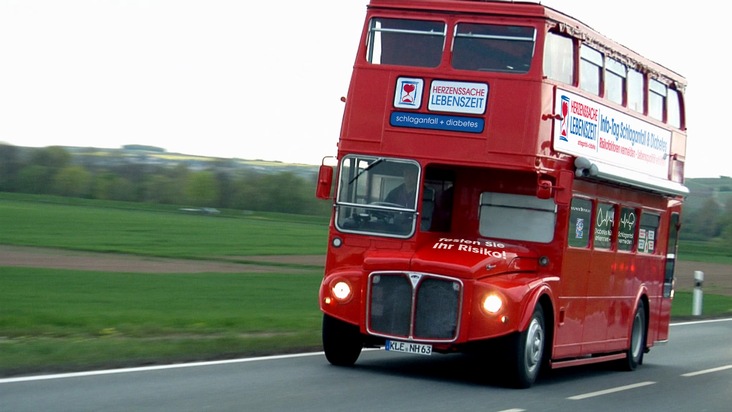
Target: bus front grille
(408, 305)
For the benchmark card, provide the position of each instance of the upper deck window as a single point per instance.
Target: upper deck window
(615, 74)
(493, 48)
(656, 99)
(674, 108)
(636, 88)
(590, 69)
(559, 58)
(403, 42)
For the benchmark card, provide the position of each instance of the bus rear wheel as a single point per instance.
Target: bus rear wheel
(528, 351)
(342, 341)
(634, 354)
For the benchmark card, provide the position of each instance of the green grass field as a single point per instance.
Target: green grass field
(54, 320)
(155, 231)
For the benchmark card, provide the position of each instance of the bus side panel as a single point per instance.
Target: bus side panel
(621, 310)
(661, 330)
(600, 301)
(572, 303)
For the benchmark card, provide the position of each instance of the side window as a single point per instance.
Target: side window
(647, 233)
(437, 200)
(635, 90)
(580, 219)
(656, 99)
(673, 240)
(590, 69)
(604, 224)
(615, 75)
(673, 116)
(517, 217)
(559, 58)
(626, 229)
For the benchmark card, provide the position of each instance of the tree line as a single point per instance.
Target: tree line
(55, 171)
(712, 221)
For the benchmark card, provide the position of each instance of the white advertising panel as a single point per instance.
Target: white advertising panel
(458, 97)
(594, 131)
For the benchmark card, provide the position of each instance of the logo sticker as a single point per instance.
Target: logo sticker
(408, 93)
(579, 229)
(565, 118)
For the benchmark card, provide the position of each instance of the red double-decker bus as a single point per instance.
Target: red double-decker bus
(508, 181)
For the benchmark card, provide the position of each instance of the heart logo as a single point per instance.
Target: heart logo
(409, 88)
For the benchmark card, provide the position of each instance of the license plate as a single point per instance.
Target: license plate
(408, 347)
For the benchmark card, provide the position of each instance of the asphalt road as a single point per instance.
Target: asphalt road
(693, 372)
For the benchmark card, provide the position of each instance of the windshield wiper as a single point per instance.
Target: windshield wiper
(366, 169)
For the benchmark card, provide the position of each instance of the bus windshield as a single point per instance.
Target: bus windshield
(377, 196)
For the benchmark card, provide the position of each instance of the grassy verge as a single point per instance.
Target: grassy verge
(59, 319)
(712, 306)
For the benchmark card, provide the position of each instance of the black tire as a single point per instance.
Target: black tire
(528, 351)
(342, 341)
(637, 340)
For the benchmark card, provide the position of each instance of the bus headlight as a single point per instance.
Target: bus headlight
(492, 304)
(341, 290)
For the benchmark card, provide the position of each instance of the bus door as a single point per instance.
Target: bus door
(574, 280)
(622, 308)
(602, 303)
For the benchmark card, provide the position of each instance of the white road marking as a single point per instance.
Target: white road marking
(699, 322)
(297, 355)
(719, 369)
(609, 391)
(152, 368)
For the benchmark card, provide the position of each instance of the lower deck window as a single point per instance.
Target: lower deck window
(580, 219)
(647, 233)
(627, 229)
(517, 217)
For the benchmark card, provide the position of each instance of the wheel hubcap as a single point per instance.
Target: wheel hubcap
(534, 346)
(636, 338)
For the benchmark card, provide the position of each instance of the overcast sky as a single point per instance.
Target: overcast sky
(232, 78)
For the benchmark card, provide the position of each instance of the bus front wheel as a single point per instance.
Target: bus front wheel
(528, 351)
(342, 341)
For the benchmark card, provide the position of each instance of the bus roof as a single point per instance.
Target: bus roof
(534, 9)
